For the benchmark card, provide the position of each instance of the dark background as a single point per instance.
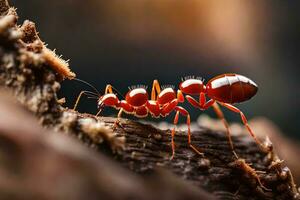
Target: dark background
(135, 41)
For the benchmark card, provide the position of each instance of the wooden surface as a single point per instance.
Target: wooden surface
(148, 148)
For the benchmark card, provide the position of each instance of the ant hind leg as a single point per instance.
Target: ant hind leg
(173, 134)
(245, 122)
(220, 115)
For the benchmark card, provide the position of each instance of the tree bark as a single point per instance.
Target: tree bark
(136, 165)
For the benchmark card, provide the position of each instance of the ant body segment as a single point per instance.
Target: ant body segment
(225, 89)
(136, 102)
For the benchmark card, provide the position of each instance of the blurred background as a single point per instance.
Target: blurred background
(135, 41)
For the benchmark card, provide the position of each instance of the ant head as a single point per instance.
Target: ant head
(192, 86)
(108, 100)
(166, 95)
(137, 97)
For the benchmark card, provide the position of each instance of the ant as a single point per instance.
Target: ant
(164, 100)
(225, 89)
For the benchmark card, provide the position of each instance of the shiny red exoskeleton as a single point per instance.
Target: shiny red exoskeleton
(225, 89)
(137, 103)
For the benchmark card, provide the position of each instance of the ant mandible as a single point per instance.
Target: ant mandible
(225, 89)
(136, 102)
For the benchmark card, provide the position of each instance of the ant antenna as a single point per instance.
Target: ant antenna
(82, 81)
(97, 91)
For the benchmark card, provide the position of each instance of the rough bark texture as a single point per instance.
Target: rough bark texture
(39, 164)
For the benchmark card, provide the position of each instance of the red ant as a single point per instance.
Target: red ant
(225, 89)
(136, 102)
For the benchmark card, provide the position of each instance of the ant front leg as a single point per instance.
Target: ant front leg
(117, 122)
(184, 112)
(155, 89)
(124, 107)
(220, 115)
(245, 122)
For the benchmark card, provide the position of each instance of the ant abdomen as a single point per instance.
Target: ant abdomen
(231, 88)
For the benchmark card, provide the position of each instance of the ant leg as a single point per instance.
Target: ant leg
(108, 89)
(185, 113)
(192, 101)
(245, 122)
(98, 113)
(220, 115)
(117, 122)
(155, 89)
(208, 104)
(173, 134)
(168, 108)
(205, 105)
(80, 95)
(202, 104)
(180, 96)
